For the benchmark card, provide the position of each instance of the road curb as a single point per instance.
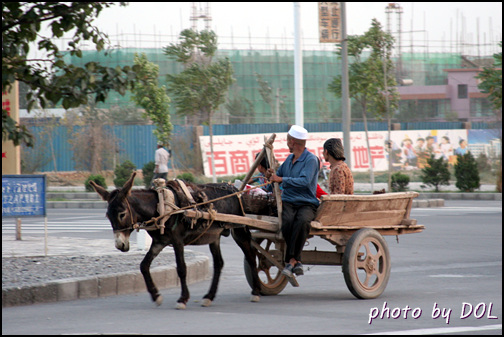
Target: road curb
(104, 285)
(89, 200)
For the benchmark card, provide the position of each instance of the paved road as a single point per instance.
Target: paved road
(61, 221)
(456, 260)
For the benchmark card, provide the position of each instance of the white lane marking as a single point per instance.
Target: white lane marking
(435, 331)
(456, 276)
(457, 209)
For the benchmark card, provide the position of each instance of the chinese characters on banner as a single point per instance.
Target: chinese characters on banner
(329, 22)
(234, 154)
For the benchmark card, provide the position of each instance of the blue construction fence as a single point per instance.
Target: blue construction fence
(137, 143)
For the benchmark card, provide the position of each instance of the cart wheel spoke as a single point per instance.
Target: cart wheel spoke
(271, 280)
(360, 264)
(366, 264)
(268, 276)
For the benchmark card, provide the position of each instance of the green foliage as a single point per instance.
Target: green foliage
(123, 173)
(491, 80)
(148, 173)
(367, 77)
(466, 172)
(205, 41)
(483, 163)
(436, 173)
(50, 78)
(98, 179)
(400, 182)
(240, 109)
(265, 90)
(153, 98)
(202, 86)
(187, 176)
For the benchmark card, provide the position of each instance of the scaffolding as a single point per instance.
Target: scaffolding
(273, 59)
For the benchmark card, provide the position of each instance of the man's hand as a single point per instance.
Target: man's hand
(271, 176)
(269, 173)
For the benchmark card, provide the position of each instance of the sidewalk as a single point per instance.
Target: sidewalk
(75, 197)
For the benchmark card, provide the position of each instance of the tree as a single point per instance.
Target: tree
(94, 148)
(400, 182)
(202, 86)
(371, 80)
(491, 83)
(49, 78)
(123, 173)
(491, 80)
(240, 109)
(153, 98)
(436, 172)
(466, 172)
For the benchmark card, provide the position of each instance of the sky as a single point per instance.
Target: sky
(435, 22)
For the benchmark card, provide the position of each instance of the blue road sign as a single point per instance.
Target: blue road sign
(23, 195)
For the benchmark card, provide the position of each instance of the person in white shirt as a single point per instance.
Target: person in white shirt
(161, 160)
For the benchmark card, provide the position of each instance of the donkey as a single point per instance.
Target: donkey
(127, 207)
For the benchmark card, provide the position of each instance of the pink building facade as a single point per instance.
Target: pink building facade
(459, 99)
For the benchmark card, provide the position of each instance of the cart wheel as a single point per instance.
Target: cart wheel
(271, 279)
(366, 264)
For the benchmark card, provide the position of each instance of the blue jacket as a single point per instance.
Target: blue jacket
(300, 179)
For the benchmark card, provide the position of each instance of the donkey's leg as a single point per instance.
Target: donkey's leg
(178, 247)
(218, 263)
(242, 238)
(154, 250)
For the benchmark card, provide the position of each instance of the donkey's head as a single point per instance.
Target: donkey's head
(119, 212)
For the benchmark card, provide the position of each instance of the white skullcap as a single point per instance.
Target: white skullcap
(298, 132)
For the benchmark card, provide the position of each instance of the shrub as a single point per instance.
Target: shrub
(123, 173)
(399, 182)
(466, 172)
(98, 179)
(148, 173)
(483, 163)
(187, 176)
(436, 172)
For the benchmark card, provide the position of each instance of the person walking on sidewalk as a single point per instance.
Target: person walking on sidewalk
(161, 158)
(298, 175)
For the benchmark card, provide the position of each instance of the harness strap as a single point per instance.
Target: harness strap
(177, 210)
(186, 191)
(165, 206)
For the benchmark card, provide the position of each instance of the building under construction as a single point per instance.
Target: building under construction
(428, 95)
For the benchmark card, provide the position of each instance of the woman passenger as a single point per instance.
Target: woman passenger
(340, 180)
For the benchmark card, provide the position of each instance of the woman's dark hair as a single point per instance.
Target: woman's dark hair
(334, 148)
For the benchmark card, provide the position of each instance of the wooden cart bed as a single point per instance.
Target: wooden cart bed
(388, 211)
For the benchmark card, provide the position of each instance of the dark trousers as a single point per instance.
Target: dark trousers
(163, 175)
(296, 227)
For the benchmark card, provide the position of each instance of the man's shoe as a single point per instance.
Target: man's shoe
(287, 271)
(298, 269)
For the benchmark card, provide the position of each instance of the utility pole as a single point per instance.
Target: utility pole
(345, 96)
(298, 66)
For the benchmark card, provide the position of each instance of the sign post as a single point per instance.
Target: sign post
(24, 196)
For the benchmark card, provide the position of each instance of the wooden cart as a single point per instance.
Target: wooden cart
(355, 224)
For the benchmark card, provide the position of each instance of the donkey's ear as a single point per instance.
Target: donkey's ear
(100, 190)
(126, 189)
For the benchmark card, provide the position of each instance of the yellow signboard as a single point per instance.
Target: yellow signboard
(11, 155)
(329, 22)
